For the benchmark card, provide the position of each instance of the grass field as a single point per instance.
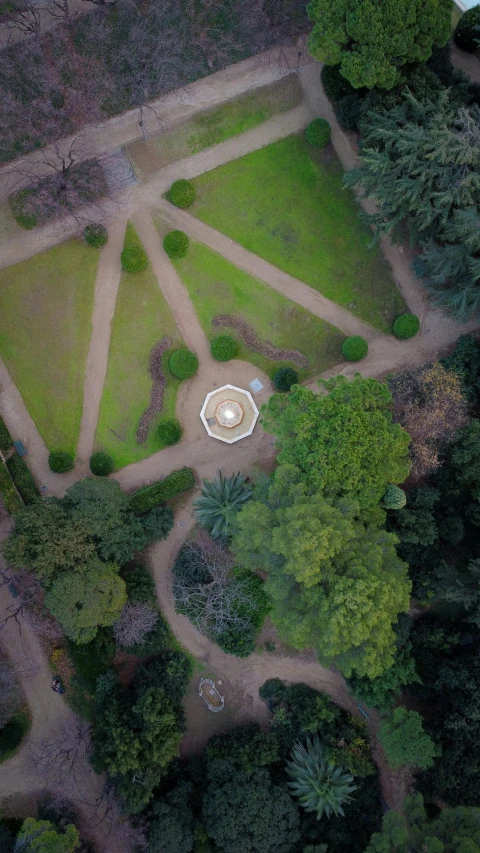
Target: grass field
(142, 317)
(45, 324)
(216, 125)
(287, 204)
(217, 287)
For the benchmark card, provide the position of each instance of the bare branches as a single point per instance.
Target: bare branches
(24, 17)
(58, 762)
(136, 620)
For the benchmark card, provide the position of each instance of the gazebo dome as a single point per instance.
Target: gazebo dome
(229, 413)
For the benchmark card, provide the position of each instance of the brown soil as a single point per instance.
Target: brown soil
(155, 370)
(252, 341)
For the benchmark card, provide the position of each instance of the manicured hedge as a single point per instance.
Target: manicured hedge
(284, 378)
(60, 461)
(161, 491)
(175, 244)
(6, 439)
(318, 132)
(183, 363)
(101, 463)
(7, 491)
(182, 193)
(95, 235)
(23, 479)
(169, 432)
(223, 348)
(406, 326)
(467, 34)
(354, 348)
(134, 259)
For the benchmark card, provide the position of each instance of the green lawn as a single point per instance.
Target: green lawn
(287, 204)
(45, 325)
(217, 287)
(216, 125)
(142, 317)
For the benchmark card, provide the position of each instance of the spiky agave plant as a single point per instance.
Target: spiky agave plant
(319, 785)
(219, 503)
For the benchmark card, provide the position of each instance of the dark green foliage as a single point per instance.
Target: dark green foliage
(6, 439)
(335, 85)
(169, 670)
(183, 363)
(7, 491)
(416, 523)
(349, 111)
(139, 582)
(23, 479)
(318, 132)
(406, 326)
(394, 498)
(467, 34)
(157, 523)
(318, 784)
(169, 432)
(181, 193)
(284, 378)
(219, 503)
(90, 661)
(355, 348)
(151, 496)
(175, 244)
(246, 747)
(13, 733)
(382, 692)
(465, 361)
(101, 463)
(95, 235)
(134, 259)
(171, 829)
(223, 348)
(61, 462)
(404, 741)
(7, 840)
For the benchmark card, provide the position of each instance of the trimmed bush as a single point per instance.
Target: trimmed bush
(161, 491)
(7, 492)
(467, 34)
(134, 259)
(284, 378)
(6, 439)
(175, 244)
(354, 348)
(101, 463)
(394, 498)
(169, 432)
(223, 348)
(60, 461)
(406, 326)
(23, 479)
(318, 132)
(183, 363)
(182, 193)
(95, 235)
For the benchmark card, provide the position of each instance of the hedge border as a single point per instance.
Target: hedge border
(151, 496)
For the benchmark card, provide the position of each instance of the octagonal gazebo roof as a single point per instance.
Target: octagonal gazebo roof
(229, 413)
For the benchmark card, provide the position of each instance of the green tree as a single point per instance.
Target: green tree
(318, 784)
(171, 826)
(219, 503)
(344, 442)
(404, 740)
(40, 836)
(372, 41)
(84, 601)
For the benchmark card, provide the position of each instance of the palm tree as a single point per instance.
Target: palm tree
(219, 503)
(320, 786)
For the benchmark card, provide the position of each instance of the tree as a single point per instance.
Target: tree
(136, 620)
(247, 813)
(404, 740)
(219, 503)
(171, 827)
(416, 523)
(317, 783)
(343, 442)
(372, 41)
(462, 588)
(40, 836)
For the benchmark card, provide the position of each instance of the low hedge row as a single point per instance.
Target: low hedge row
(6, 439)
(23, 479)
(7, 491)
(161, 491)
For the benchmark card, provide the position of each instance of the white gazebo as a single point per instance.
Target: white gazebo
(229, 413)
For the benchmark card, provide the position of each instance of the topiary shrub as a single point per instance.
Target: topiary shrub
(175, 244)
(284, 378)
(183, 363)
(150, 496)
(467, 34)
(406, 326)
(182, 193)
(101, 463)
(169, 432)
(394, 498)
(223, 348)
(318, 132)
(134, 259)
(60, 461)
(354, 348)
(95, 235)
(23, 479)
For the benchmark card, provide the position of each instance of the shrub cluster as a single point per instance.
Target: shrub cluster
(151, 496)
(406, 326)
(183, 363)
(182, 193)
(60, 461)
(101, 463)
(467, 31)
(6, 439)
(175, 244)
(169, 432)
(23, 479)
(223, 348)
(7, 492)
(318, 132)
(134, 259)
(354, 348)
(284, 378)
(95, 235)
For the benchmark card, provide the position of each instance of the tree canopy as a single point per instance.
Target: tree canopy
(404, 740)
(40, 836)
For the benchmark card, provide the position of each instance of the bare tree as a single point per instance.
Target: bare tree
(136, 620)
(24, 17)
(58, 762)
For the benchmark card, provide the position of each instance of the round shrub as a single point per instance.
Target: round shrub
(60, 461)
(406, 326)
(318, 132)
(169, 432)
(95, 235)
(394, 498)
(183, 363)
(175, 244)
(354, 348)
(223, 348)
(466, 34)
(134, 259)
(182, 193)
(284, 378)
(101, 463)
